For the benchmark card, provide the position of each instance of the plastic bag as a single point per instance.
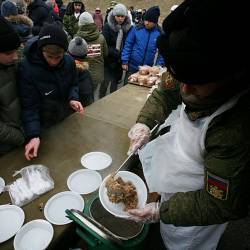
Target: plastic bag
(34, 181)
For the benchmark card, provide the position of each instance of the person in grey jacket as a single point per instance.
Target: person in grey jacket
(11, 133)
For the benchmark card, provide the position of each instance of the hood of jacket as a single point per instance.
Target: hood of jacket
(21, 19)
(89, 32)
(37, 3)
(116, 27)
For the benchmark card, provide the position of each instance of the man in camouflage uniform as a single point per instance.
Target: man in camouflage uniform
(71, 17)
(212, 98)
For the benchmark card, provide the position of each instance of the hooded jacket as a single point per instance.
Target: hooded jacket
(45, 91)
(97, 51)
(140, 48)
(110, 32)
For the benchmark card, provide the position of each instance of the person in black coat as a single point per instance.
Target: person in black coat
(40, 14)
(48, 85)
(114, 31)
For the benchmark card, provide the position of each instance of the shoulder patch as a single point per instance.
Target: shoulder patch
(217, 186)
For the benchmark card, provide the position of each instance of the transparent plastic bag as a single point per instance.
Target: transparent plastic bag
(34, 181)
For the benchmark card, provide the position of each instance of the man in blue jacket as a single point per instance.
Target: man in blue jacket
(140, 46)
(48, 85)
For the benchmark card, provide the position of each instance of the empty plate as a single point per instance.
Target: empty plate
(96, 160)
(84, 181)
(11, 220)
(54, 210)
(34, 235)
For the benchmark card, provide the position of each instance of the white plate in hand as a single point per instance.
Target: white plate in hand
(54, 210)
(11, 220)
(84, 181)
(96, 160)
(117, 209)
(34, 235)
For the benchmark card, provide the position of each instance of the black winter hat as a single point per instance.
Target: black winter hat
(206, 41)
(152, 14)
(9, 39)
(53, 34)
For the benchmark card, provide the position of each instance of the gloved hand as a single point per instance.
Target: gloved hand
(139, 135)
(148, 214)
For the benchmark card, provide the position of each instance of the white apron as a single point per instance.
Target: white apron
(173, 163)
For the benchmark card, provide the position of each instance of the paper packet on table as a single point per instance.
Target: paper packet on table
(34, 181)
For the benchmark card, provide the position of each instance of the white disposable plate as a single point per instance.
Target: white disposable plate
(2, 184)
(118, 209)
(11, 220)
(96, 160)
(54, 210)
(84, 181)
(34, 235)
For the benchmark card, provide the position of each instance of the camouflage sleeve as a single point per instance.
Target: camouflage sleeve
(226, 189)
(159, 105)
(67, 25)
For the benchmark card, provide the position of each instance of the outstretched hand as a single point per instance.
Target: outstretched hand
(77, 106)
(31, 148)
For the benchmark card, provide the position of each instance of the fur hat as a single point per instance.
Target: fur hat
(9, 39)
(120, 10)
(205, 41)
(53, 34)
(85, 18)
(8, 8)
(78, 48)
(152, 14)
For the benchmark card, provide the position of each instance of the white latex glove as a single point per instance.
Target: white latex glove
(139, 135)
(148, 214)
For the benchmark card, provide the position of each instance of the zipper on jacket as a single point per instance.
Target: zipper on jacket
(149, 33)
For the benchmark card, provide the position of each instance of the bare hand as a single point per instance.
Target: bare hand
(31, 148)
(125, 67)
(77, 106)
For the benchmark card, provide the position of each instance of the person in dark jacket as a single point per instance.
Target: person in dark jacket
(201, 165)
(78, 49)
(11, 132)
(21, 23)
(140, 46)
(115, 32)
(38, 12)
(48, 85)
(71, 17)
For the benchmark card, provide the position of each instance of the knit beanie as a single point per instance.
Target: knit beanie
(120, 10)
(85, 18)
(53, 34)
(8, 8)
(198, 44)
(78, 48)
(152, 14)
(9, 39)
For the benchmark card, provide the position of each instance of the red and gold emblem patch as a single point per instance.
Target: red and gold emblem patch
(217, 186)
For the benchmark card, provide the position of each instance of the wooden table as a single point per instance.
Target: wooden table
(104, 127)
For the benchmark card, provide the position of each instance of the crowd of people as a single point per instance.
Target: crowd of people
(64, 58)
(55, 60)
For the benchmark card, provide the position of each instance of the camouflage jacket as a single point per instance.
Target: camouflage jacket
(70, 23)
(226, 192)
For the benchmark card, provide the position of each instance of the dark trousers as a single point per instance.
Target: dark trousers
(112, 77)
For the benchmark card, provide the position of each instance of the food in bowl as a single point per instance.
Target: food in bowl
(119, 190)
